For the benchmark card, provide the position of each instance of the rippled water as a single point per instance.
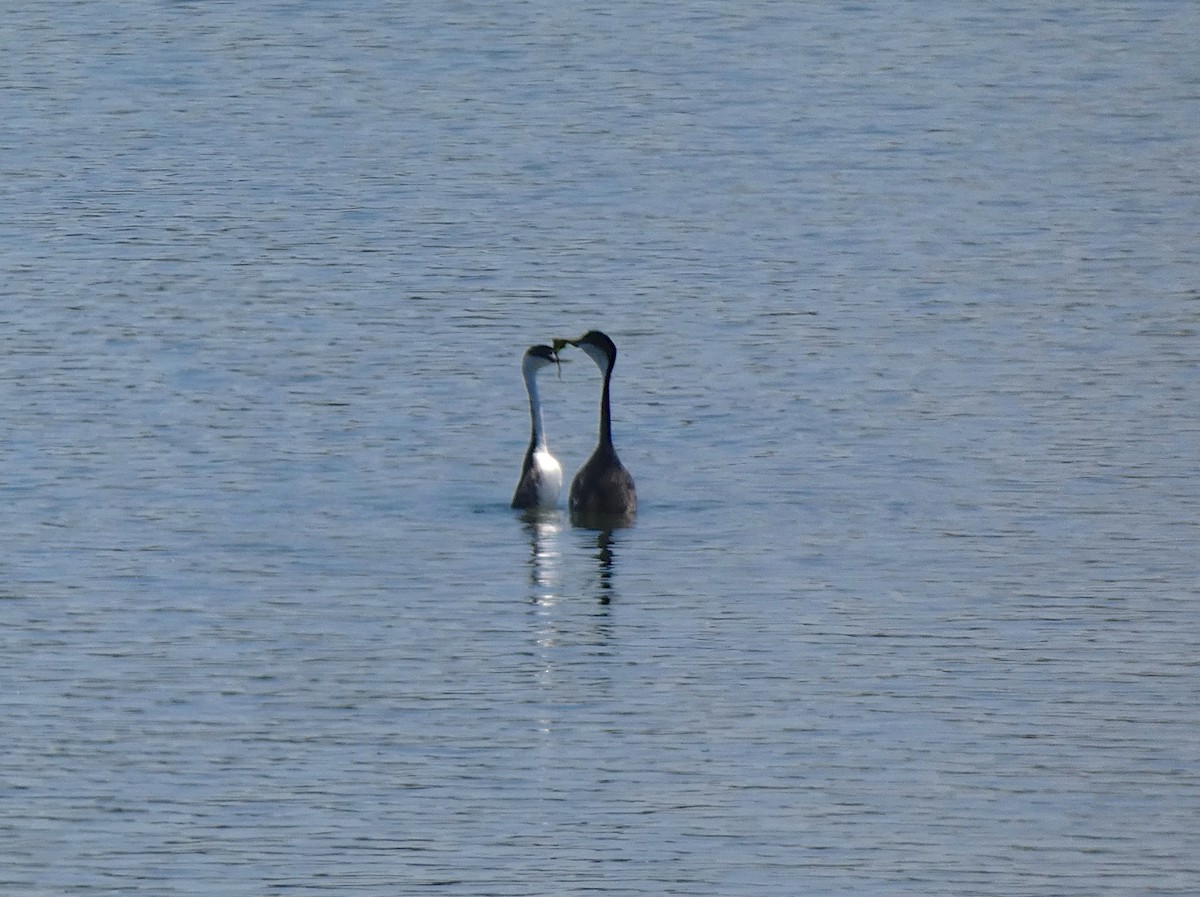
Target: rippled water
(907, 304)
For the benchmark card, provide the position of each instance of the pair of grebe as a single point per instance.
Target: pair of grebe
(602, 492)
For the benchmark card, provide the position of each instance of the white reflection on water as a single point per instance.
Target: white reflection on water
(545, 556)
(547, 580)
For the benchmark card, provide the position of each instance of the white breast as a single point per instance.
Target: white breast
(550, 478)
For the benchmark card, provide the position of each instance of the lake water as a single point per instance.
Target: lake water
(908, 305)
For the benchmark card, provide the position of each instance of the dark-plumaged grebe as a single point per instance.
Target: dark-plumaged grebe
(602, 494)
(541, 474)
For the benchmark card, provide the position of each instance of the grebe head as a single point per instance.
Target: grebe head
(597, 345)
(538, 357)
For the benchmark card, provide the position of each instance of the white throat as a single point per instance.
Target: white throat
(535, 406)
(597, 355)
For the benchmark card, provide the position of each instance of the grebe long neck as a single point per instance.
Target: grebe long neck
(537, 438)
(605, 414)
(606, 362)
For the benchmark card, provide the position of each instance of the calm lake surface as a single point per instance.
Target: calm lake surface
(908, 305)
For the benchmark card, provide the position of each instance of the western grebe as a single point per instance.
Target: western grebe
(541, 474)
(602, 493)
